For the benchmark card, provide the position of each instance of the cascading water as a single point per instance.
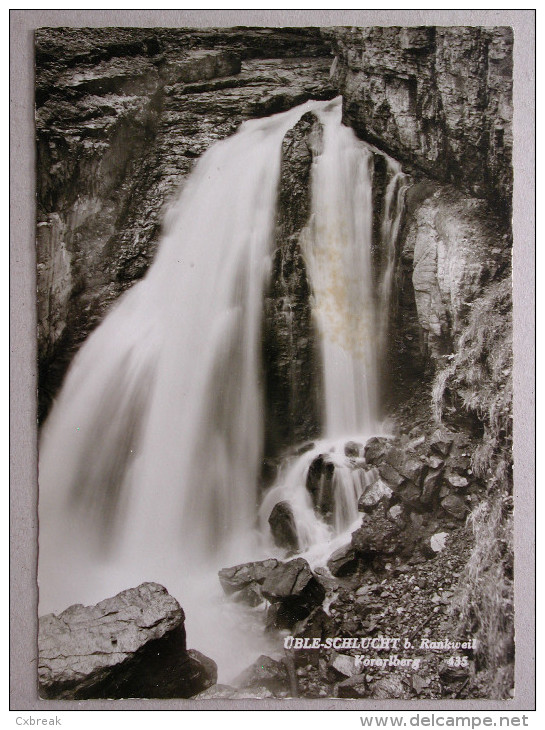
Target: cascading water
(149, 461)
(353, 327)
(394, 203)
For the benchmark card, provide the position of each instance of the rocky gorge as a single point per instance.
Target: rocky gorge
(121, 117)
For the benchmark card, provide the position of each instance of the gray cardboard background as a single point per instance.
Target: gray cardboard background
(23, 455)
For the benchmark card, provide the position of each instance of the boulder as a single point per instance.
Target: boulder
(434, 462)
(431, 487)
(456, 480)
(411, 497)
(391, 476)
(375, 449)
(295, 590)
(438, 541)
(397, 515)
(250, 595)
(353, 687)
(454, 506)
(343, 561)
(407, 464)
(316, 625)
(131, 645)
(283, 528)
(344, 664)
(353, 449)
(376, 493)
(247, 574)
(441, 443)
(377, 537)
(390, 687)
(320, 484)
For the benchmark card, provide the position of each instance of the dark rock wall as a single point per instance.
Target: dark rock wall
(438, 99)
(291, 360)
(121, 115)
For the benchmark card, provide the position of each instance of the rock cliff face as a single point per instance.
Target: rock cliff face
(438, 99)
(455, 246)
(291, 359)
(121, 116)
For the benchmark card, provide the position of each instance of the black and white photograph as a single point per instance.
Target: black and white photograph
(274, 351)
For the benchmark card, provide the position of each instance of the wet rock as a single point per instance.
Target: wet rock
(291, 579)
(324, 578)
(264, 672)
(283, 528)
(376, 494)
(343, 561)
(245, 575)
(295, 590)
(375, 449)
(320, 484)
(353, 449)
(250, 595)
(455, 506)
(131, 645)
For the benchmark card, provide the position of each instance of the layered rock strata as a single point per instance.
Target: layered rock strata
(439, 99)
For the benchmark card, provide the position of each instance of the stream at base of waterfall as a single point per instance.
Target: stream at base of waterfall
(150, 460)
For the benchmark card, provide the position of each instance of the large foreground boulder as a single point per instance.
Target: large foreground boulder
(131, 645)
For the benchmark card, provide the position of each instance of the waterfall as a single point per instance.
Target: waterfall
(353, 325)
(150, 459)
(394, 203)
